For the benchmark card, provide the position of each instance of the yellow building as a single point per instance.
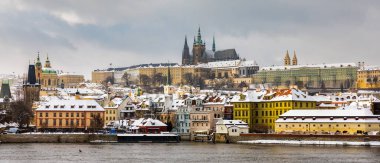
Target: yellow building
(101, 77)
(68, 115)
(368, 78)
(350, 120)
(68, 80)
(111, 114)
(260, 109)
(178, 74)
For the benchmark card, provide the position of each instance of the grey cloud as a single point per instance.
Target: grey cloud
(133, 32)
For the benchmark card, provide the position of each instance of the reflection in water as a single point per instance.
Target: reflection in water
(186, 152)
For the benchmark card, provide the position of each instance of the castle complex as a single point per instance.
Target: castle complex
(201, 55)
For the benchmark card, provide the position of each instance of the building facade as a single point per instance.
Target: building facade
(349, 120)
(261, 109)
(321, 76)
(368, 78)
(68, 115)
(69, 80)
(102, 77)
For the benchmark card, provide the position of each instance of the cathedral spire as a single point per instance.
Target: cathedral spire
(287, 59)
(213, 43)
(185, 53)
(294, 60)
(199, 37)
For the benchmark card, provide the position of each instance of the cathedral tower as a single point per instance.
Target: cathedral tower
(287, 59)
(199, 48)
(294, 60)
(186, 54)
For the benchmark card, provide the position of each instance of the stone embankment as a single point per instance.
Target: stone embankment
(248, 137)
(56, 138)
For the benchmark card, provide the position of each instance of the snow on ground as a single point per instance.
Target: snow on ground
(304, 142)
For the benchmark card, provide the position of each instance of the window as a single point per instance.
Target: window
(82, 114)
(60, 114)
(54, 114)
(40, 114)
(72, 114)
(46, 114)
(67, 114)
(77, 114)
(54, 122)
(60, 122)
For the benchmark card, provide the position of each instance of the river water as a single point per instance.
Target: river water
(185, 152)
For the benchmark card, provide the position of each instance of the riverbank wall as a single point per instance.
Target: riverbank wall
(248, 137)
(56, 138)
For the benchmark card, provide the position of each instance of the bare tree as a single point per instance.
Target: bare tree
(126, 77)
(188, 78)
(145, 79)
(21, 113)
(96, 122)
(158, 79)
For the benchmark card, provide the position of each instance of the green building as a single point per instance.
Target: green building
(319, 76)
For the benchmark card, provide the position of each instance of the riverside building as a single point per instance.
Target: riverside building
(260, 109)
(316, 76)
(67, 115)
(345, 120)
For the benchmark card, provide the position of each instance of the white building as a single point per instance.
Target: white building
(231, 127)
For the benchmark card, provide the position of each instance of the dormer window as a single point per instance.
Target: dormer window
(80, 106)
(314, 118)
(88, 106)
(303, 118)
(55, 106)
(331, 118)
(295, 118)
(62, 106)
(284, 118)
(345, 118)
(356, 118)
(72, 106)
(47, 106)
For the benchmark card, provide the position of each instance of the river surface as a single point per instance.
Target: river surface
(185, 152)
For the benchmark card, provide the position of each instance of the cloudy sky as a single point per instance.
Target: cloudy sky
(80, 36)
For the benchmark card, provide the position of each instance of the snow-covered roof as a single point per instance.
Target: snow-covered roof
(281, 95)
(349, 111)
(334, 65)
(70, 105)
(248, 63)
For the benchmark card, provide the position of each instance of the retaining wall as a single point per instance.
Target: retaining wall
(55, 138)
(356, 138)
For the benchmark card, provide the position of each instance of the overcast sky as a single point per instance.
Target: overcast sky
(81, 36)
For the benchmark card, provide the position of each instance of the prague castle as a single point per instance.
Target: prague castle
(201, 55)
